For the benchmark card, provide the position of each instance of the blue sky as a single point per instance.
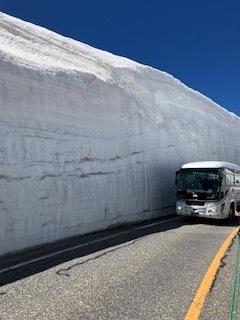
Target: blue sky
(196, 41)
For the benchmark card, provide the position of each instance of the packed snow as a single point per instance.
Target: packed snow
(90, 140)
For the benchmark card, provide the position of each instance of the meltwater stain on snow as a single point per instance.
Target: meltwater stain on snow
(82, 130)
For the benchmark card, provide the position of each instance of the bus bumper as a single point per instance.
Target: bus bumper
(208, 210)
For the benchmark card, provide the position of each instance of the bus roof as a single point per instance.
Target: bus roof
(211, 164)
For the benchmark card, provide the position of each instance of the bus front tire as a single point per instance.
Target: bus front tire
(232, 212)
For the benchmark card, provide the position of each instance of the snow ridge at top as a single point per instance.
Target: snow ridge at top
(35, 47)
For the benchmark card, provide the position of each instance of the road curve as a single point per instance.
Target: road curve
(152, 276)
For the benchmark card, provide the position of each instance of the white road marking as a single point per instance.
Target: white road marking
(22, 264)
(152, 224)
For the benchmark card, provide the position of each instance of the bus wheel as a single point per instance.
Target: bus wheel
(232, 213)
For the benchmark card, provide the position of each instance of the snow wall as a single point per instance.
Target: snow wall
(89, 140)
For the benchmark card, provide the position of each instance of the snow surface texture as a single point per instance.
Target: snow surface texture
(89, 140)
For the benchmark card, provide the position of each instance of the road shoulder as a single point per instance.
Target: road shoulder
(218, 302)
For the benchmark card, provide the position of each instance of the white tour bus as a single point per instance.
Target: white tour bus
(208, 189)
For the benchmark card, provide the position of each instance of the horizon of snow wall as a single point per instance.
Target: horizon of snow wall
(78, 154)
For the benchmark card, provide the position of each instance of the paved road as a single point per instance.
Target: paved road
(151, 275)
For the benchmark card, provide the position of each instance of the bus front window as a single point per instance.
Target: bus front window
(203, 183)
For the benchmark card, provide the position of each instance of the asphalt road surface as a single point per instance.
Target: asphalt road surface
(146, 273)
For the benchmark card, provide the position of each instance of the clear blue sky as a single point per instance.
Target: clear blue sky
(196, 41)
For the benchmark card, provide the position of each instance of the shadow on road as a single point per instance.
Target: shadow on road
(47, 256)
(50, 255)
(213, 222)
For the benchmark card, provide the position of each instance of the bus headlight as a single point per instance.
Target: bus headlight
(212, 210)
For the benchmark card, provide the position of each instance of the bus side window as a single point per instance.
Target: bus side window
(229, 179)
(237, 180)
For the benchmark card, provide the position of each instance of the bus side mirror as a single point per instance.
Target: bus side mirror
(176, 177)
(220, 180)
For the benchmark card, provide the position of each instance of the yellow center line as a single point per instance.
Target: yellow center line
(207, 281)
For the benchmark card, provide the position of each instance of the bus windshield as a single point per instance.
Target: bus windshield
(200, 183)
